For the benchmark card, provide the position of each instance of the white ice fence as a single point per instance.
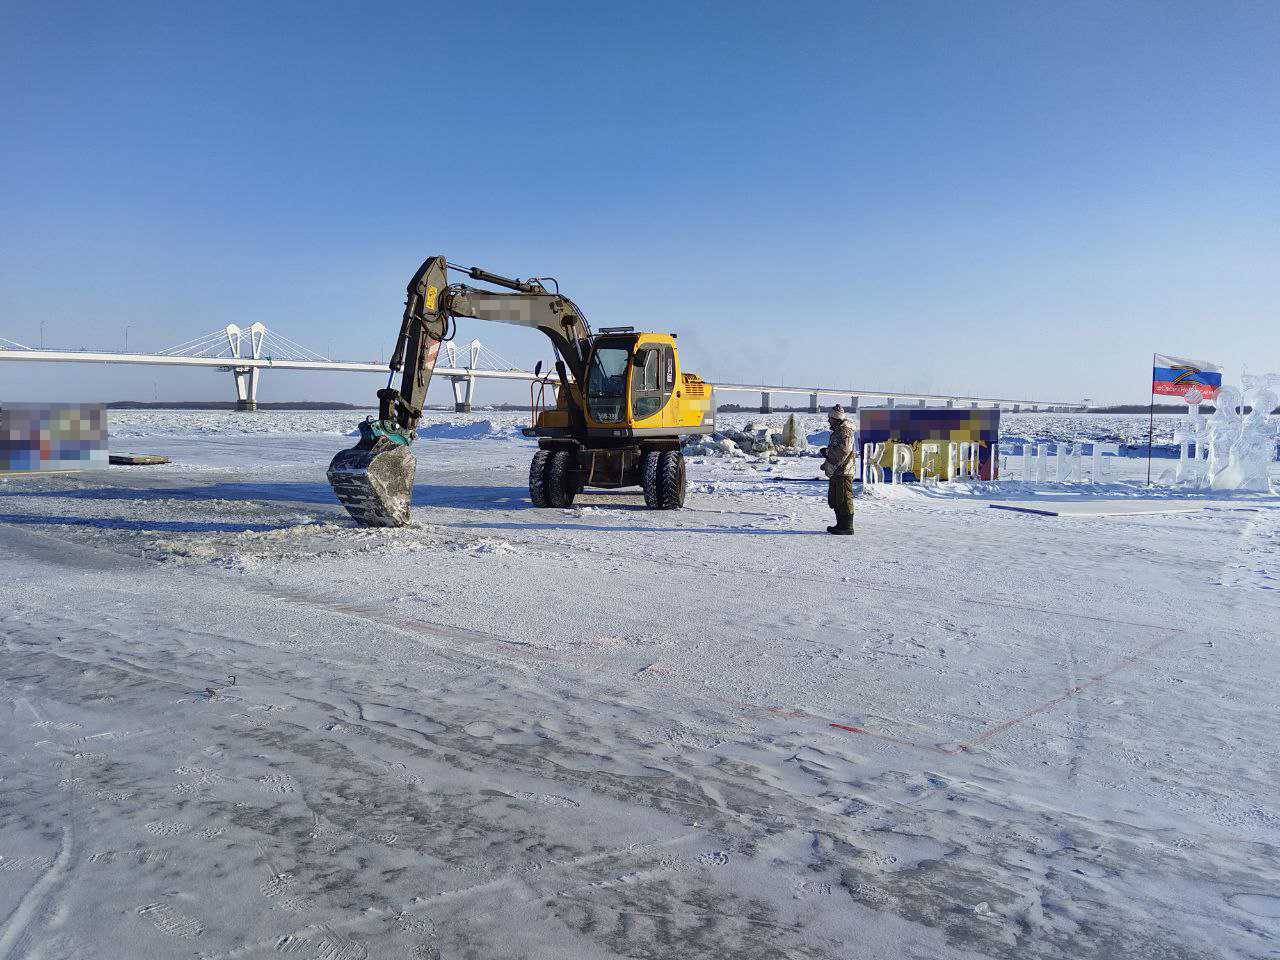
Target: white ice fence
(1080, 461)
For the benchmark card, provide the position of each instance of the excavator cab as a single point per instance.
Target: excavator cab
(607, 369)
(631, 377)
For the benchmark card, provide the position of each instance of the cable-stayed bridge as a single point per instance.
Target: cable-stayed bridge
(246, 352)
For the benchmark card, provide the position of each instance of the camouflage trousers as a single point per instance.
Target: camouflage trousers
(840, 494)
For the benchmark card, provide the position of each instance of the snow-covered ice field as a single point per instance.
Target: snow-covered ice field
(236, 726)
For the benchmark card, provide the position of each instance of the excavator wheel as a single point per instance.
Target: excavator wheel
(671, 480)
(560, 490)
(649, 479)
(538, 478)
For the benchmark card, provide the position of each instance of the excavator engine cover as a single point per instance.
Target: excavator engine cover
(375, 483)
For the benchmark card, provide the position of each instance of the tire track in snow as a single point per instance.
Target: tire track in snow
(15, 932)
(15, 938)
(331, 933)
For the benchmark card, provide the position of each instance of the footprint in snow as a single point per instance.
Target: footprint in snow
(807, 888)
(167, 828)
(276, 783)
(171, 923)
(275, 885)
(550, 800)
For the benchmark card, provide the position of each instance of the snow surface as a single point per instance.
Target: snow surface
(606, 731)
(1118, 428)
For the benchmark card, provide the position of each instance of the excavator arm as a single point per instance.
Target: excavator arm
(423, 328)
(374, 479)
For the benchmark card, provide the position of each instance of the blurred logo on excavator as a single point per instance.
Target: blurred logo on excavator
(431, 296)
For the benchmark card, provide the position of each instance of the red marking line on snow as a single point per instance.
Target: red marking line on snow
(440, 631)
(1079, 688)
(1000, 728)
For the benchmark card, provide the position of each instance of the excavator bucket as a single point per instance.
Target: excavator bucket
(375, 483)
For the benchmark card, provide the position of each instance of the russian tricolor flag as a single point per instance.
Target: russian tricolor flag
(1174, 376)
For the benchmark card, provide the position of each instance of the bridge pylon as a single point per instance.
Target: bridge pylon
(249, 343)
(475, 356)
(246, 378)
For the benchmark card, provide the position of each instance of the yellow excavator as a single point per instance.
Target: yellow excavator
(622, 403)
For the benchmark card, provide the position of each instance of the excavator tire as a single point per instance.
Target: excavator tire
(649, 481)
(538, 478)
(560, 490)
(671, 480)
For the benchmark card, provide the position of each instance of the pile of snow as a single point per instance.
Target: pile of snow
(468, 430)
(463, 430)
(754, 439)
(716, 445)
(491, 545)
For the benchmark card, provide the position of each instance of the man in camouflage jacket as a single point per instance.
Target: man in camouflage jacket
(840, 464)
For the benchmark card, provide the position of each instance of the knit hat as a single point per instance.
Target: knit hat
(836, 413)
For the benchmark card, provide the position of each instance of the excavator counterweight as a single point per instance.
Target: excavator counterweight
(622, 403)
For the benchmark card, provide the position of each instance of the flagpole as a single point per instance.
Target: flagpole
(1151, 421)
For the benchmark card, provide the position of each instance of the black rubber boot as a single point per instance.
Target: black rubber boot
(844, 525)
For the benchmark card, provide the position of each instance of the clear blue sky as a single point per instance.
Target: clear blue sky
(998, 197)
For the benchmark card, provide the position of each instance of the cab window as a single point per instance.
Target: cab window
(646, 383)
(607, 384)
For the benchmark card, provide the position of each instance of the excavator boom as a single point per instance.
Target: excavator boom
(374, 479)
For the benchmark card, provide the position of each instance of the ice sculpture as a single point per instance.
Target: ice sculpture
(1104, 458)
(1192, 437)
(962, 461)
(1222, 429)
(872, 453)
(1032, 462)
(1070, 461)
(930, 451)
(902, 460)
(1241, 446)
